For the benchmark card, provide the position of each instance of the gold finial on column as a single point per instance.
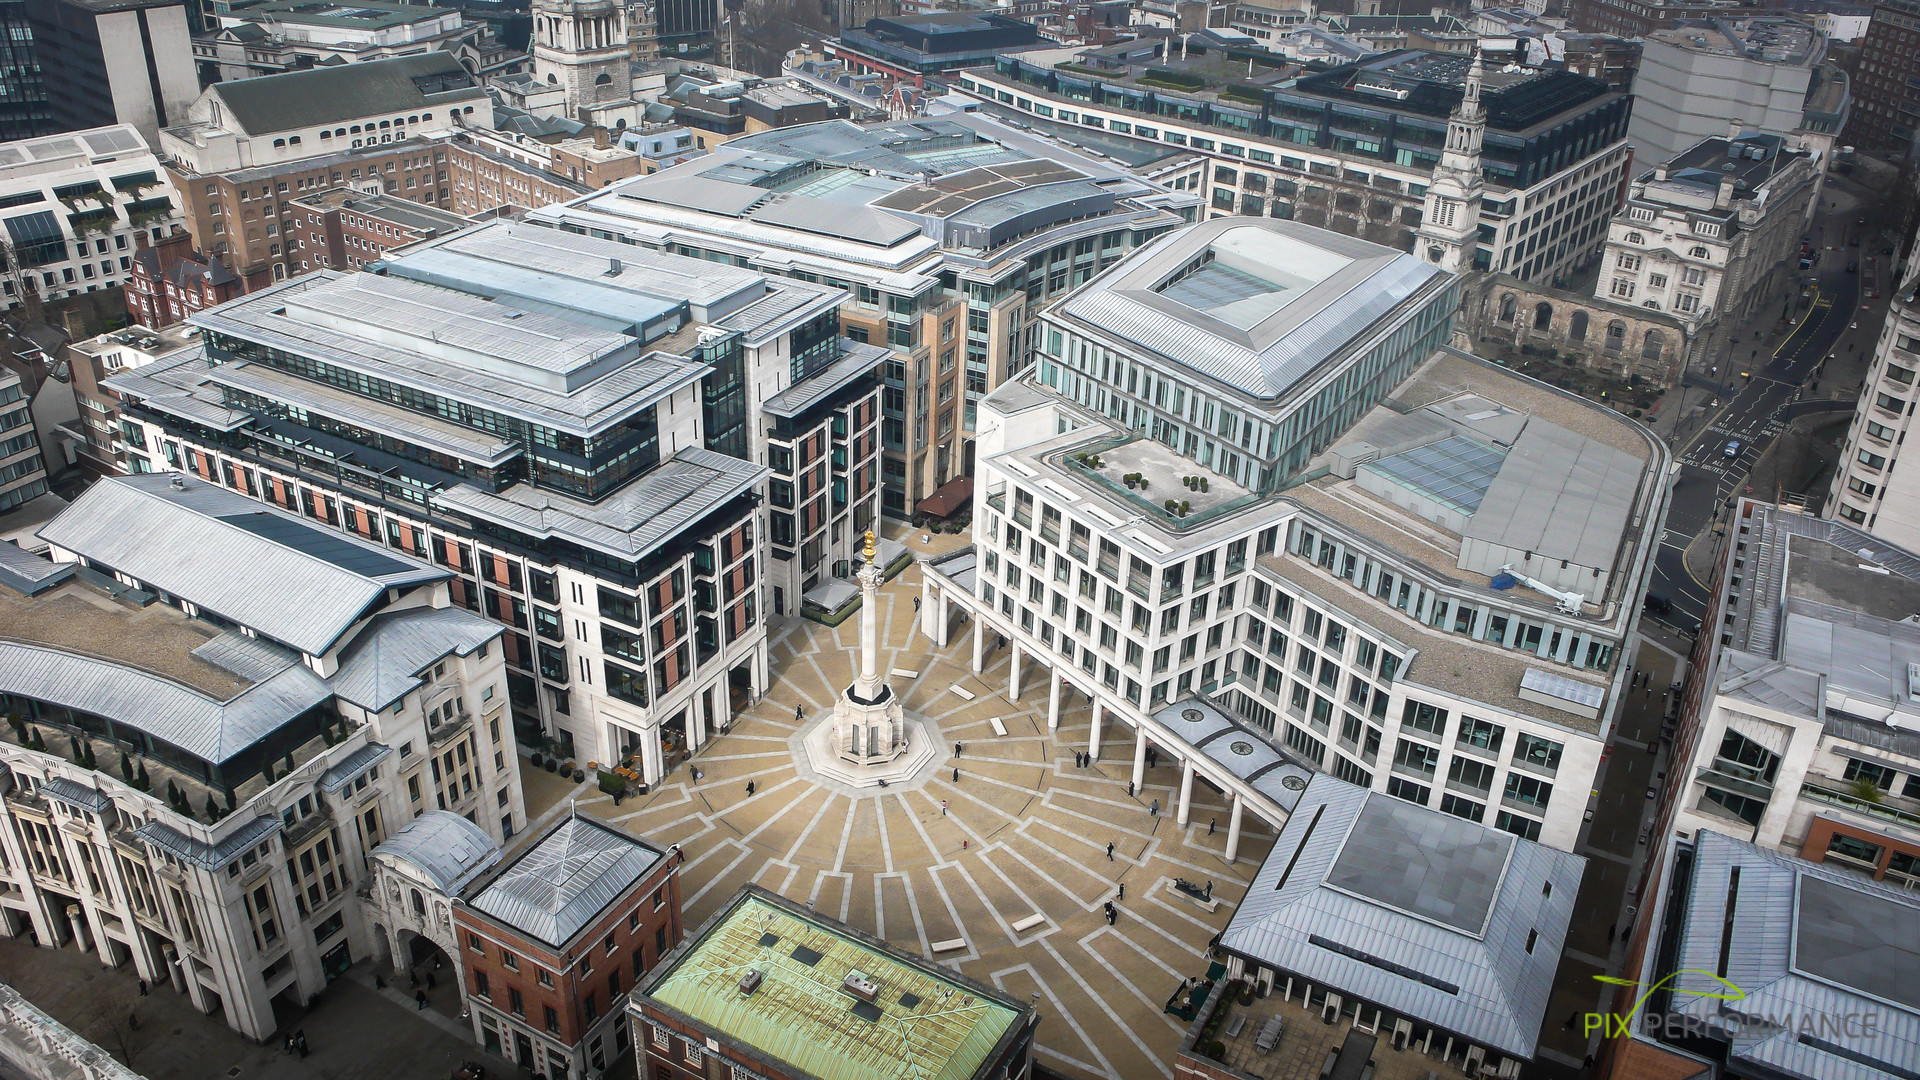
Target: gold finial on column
(870, 546)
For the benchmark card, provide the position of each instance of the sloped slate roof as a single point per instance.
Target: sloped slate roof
(328, 95)
(232, 556)
(560, 885)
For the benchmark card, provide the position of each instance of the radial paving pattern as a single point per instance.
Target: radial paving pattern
(1023, 834)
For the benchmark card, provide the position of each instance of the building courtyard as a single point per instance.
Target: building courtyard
(1002, 874)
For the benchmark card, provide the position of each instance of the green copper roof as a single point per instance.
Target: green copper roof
(920, 1026)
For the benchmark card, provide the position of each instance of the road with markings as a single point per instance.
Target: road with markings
(1712, 468)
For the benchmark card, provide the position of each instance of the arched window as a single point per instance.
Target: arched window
(294, 141)
(1653, 345)
(1542, 316)
(551, 81)
(468, 111)
(385, 124)
(620, 124)
(356, 129)
(1616, 336)
(602, 79)
(279, 143)
(1577, 327)
(426, 116)
(340, 132)
(419, 902)
(326, 135)
(1509, 304)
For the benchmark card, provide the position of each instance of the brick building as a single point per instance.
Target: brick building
(346, 230)
(553, 939)
(247, 216)
(171, 280)
(771, 989)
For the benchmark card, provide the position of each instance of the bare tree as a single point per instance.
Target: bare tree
(117, 1026)
(24, 285)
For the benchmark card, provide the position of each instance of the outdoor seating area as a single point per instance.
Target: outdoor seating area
(1276, 1038)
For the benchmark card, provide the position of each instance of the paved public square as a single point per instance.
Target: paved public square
(1023, 832)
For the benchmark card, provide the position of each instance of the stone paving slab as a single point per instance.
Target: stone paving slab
(1025, 833)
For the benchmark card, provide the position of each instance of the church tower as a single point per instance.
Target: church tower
(1450, 232)
(581, 45)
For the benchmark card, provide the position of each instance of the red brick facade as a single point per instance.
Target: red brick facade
(171, 280)
(549, 1009)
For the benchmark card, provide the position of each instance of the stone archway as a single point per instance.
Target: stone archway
(1542, 316)
(1577, 327)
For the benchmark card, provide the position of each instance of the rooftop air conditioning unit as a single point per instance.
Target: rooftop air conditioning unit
(751, 980)
(860, 986)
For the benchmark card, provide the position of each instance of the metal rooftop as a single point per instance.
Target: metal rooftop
(923, 1021)
(1424, 914)
(450, 850)
(561, 883)
(1809, 941)
(1276, 300)
(191, 540)
(1456, 470)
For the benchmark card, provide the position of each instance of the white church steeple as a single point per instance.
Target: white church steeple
(1450, 231)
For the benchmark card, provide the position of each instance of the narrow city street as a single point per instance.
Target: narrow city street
(1753, 397)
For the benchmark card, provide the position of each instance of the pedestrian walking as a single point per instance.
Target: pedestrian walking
(143, 988)
(798, 712)
(1155, 808)
(957, 748)
(1122, 894)
(750, 787)
(1109, 851)
(1212, 823)
(289, 1042)
(916, 603)
(300, 1043)
(943, 808)
(1129, 789)
(419, 1000)
(956, 775)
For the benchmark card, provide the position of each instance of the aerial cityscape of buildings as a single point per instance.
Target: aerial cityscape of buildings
(684, 538)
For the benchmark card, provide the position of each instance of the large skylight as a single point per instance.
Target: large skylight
(1252, 274)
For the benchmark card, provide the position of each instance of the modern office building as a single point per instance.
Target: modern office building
(1801, 729)
(1354, 149)
(1886, 115)
(1767, 968)
(1438, 936)
(199, 761)
(114, 62)
(1710, 232)
(579, 429)
(1252, 508)
(769, 988)
(911, 47)
(1874, 482)
(96, 359)
(1701, 76)
(553, 938)
(78, 208)
(279, 119)
(947, 233)
(24, 109)
(23, 466)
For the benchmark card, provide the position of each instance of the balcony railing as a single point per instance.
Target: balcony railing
(1848, 801)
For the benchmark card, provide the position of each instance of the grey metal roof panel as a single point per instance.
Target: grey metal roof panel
(1811, 940)
(629, 523)
(178, 386)
(1486, 987)
(830, 218)
(251, 658)
(353, 765)
(1560, 496)
(450, 850)
(857, 358)
(261, 318)
(211, 730)
(561, 883)
(1359, 283)
(383, 662)
(190, 541)
(77, 794)
(202, 854)
(29, 574)
(332, 94)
